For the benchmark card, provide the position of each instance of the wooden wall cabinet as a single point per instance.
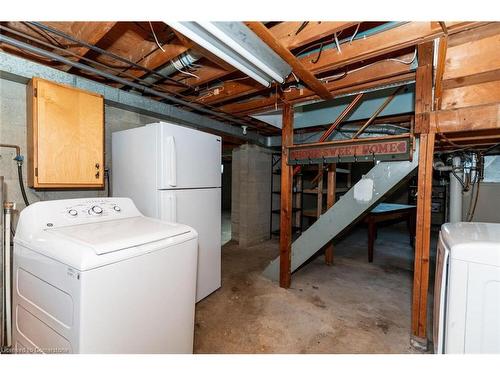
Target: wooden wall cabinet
(65, 136)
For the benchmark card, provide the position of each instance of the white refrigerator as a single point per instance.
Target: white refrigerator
(173, 173)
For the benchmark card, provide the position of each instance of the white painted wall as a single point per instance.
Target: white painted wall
(488, 203)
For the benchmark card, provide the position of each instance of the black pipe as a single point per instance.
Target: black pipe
(54, 56)
(20, 176)
(19, 160)
(105, 52)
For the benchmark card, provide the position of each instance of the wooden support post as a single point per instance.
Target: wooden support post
(423, 106)
(330, 200)
(319, 206)
(422, 241)
(423, 87)
(286, 198)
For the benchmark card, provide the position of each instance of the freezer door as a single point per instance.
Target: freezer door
(201, 210)
(188, 158)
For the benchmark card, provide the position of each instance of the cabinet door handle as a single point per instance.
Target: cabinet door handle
(97, 165)
(97, 174)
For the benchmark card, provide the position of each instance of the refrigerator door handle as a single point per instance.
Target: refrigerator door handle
(172, 172)
(172, 204)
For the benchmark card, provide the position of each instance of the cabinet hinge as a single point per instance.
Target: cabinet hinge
(35, 92)
(36, 172)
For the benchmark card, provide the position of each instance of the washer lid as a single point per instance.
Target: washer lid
(106, 237)
(473, 242)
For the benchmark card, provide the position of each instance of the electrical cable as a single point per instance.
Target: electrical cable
(154, 35)
(339, 76)
(355, 33)
(337, 42)
(314, 61)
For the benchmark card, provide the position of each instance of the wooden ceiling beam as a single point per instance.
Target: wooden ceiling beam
(386, 42)
(285, 33)
(302, 73)
(386, 71)
(291, 38)
(261, 105)
(479, 117)
(406, 35)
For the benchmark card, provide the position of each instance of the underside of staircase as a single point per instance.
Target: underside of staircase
(384, 177)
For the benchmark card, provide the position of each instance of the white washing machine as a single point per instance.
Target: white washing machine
(96, 276)
(467, 289)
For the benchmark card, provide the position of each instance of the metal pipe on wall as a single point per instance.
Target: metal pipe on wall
(8, 208)
(456, 190)
(2, 262)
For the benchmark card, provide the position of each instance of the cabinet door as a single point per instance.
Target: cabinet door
(68, 136)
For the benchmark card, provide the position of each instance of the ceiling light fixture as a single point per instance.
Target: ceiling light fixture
(237, 45)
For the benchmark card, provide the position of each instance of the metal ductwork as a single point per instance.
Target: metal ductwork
(178, 64)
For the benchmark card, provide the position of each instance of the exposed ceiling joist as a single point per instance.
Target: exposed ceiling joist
(291, 36)
(303, 74)
(388, 70)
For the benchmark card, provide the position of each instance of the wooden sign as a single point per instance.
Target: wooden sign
(356, 150)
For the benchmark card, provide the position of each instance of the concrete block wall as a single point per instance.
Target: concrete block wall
(251, 195)
(13, 131)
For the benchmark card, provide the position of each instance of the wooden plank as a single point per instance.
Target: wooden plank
(480, 30)
(423, 87)
(479, 117)
(302, 73)
(286, 199)
(286, 32)
(400, 37)
(438, 90)
(330, 201)
(492, 75)
(341, 117)
(422, 241)
(476, 56)
(472, 95)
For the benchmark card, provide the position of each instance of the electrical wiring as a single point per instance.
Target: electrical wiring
(405, 62)
(337, 43)
(314, 61)
(355, 33)
(175, 65)
(339, 76)
(154, 35)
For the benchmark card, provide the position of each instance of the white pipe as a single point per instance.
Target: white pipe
(441, 167)
(456, 191)
(8, 277)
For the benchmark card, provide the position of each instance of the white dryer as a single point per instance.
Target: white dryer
(96, 276)
(467, 289)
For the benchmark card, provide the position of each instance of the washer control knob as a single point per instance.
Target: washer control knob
(117, 208)
(96, 210)
(73, 212)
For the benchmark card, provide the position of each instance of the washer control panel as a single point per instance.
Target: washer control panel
(93, 208)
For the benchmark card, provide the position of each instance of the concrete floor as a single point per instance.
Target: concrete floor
(351, 307)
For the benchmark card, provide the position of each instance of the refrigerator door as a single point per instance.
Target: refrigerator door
(200, 209)
(187, 158)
